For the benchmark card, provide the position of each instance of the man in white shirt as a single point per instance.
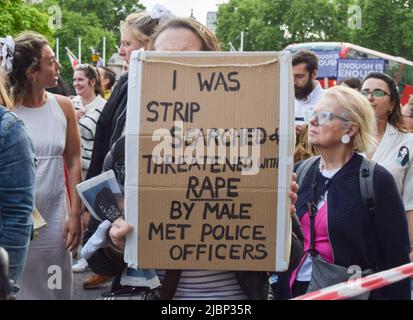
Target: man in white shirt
(307, 89)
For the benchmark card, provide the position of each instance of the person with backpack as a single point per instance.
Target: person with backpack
(341, 228)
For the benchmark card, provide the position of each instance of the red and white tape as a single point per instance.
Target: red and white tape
(352, 288)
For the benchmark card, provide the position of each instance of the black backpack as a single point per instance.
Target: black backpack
(366, 178)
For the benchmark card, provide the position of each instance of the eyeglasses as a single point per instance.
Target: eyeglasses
(322, 117)
(376, 93)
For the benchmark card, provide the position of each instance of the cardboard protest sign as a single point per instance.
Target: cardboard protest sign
(358, 68)
(209, 149)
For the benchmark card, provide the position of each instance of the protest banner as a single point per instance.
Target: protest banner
(209, 149)
(358, 68)
(327, 63)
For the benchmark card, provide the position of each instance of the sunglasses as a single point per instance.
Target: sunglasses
(322, 117)
(375, 93)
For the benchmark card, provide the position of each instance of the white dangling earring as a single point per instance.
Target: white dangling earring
(345, 139)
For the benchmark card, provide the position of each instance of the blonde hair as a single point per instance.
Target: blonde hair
(140, 25)
(357, 109)
(5, 100)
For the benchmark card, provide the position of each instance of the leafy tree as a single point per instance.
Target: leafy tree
(272, 24)
(16, 16)
(109, 12)
(384, 24)
(89, 28)
(261, 21)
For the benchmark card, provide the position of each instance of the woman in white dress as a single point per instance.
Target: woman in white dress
(52, 125)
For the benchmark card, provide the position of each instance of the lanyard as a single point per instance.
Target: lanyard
(312, 209)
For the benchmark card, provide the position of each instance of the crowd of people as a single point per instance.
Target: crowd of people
(49, 143)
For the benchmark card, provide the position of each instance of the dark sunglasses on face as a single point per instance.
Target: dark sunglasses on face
(322, 117)
(376, 93)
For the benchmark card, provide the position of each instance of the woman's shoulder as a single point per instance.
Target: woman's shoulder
(100, 102)
(382, 178)
(65, 104)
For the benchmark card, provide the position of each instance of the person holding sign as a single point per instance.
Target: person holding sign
(395, 146)
(340, 228)
(179, 34)
(135, 34)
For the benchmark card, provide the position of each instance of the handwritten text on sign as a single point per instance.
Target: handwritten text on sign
(205, 196)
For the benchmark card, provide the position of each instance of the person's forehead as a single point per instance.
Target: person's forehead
(177, 39)
(47, 52)
(328, 103)
(373, 83)
(300, 68)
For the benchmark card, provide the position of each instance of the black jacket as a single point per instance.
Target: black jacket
(106, 262)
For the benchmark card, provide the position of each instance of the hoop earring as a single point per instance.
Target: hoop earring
(345, 139)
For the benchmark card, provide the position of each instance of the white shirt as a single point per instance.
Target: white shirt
(304, 107)
(391, 154)
(87, 125)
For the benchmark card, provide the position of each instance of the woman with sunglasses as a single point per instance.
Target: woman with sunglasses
(88, 104)
(345, 232)
(135, 34)
(392, 138)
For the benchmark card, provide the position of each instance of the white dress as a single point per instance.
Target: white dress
(48, 270)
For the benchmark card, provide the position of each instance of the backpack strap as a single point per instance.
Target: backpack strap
(304, 167)
(366, 183)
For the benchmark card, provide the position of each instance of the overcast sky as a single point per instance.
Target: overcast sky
(182, 8)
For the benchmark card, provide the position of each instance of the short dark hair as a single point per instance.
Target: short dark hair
(110, 75)
(307, 57)
(395, 117)
(354, 83)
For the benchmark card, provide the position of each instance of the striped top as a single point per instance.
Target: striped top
(87, 125)
(207, 285)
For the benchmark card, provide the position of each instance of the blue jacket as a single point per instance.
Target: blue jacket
(17, 178)
(377, 241)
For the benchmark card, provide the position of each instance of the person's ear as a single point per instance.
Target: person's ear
(314, 75)
(352, 130)
(104, 82)
(31, 74)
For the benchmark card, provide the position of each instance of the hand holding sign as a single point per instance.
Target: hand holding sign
(118, 232)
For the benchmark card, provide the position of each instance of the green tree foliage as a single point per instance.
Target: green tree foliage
(91, 20)
(386, 26)
(89, 28)
(261, 21)
(109, 12)
(16, 16)
(273, 24)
